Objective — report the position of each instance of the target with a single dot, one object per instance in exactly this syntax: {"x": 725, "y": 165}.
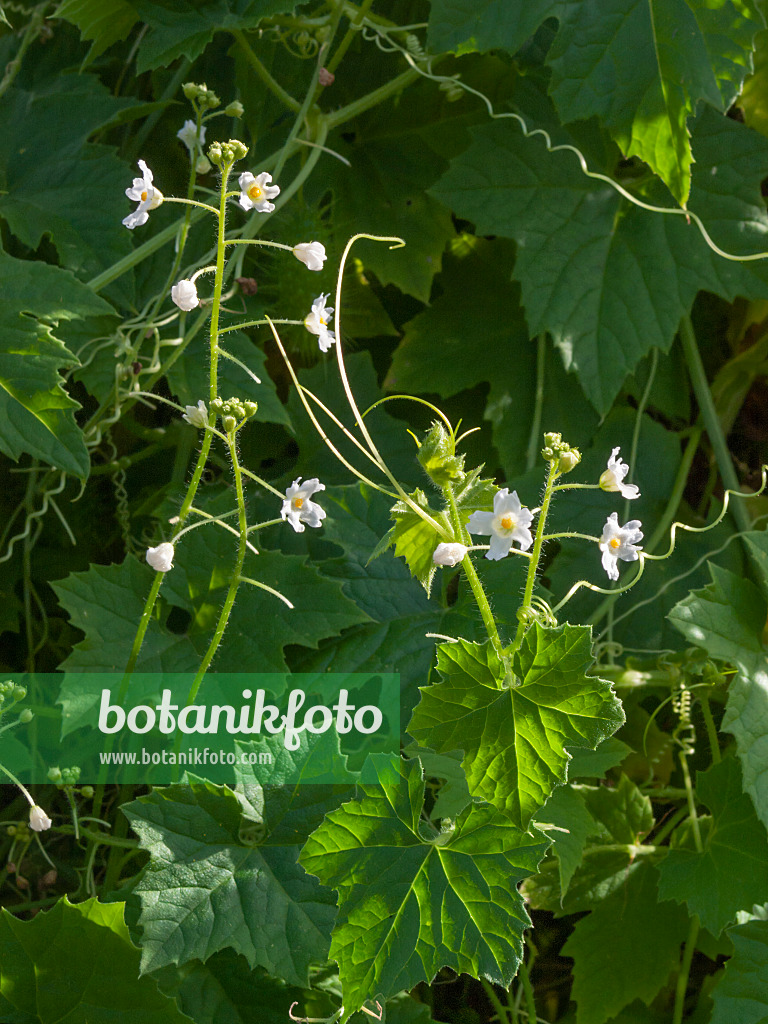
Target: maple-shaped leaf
{"x": 731, "y": 873}
{"x": 413, "y": 899}
{"x": 76, "y": 963}
{"x": 513, "y": 721}
{"x": 414, "y": 539}
{"x": 224, "y": 872}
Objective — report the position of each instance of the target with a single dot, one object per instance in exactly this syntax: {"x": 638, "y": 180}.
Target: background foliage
{"x": 550, "y": 165}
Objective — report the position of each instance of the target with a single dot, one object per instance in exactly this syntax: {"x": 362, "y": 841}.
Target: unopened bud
{"x": 235, "y": 109}
{"x": 251, "y": 408}
{"x": 26, "y": 716}
{"x": 229, "y": 423}
{"x": 87, "y": 792}
{"x": 214, "y": 153}
{"x": 239, "y": 149}
{"x": 569, "y": 460}
{"x": 54, "y": 775}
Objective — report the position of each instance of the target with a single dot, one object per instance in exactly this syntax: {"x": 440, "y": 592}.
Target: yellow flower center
{"x": 298, "y": 502}
{"x": 507, "y": 522}
{"x": 614, "y": 543}
{"x": 255, "y": 191}
{"x": 143, "y": 197}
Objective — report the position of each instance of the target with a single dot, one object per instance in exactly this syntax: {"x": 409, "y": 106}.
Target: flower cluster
{"x": 316, "y": 322}
{"x": 145, "y": 194}
{"x": 298, "y": 508}
{"x": 255, "y": 193}
{"x": 509, "y": 522}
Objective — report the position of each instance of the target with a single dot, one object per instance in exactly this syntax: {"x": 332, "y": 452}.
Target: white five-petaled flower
{"x": 619, "y": 542}
{"x": 145, "y": 194}
{"x": 312, "y": 254}
{"x": 196, "y": 415}
{"x": 298, "y": 509}
{"x": 188, "y": 135}
{"x": 184, "y": 294}
{"x": 509, "y": 522}
{"x": 612, "y": 478}
{"x": 316, "y": 322}
{"x": 255, "y": 193}
{"x": 38, "y": 819}
{"x": 448, "y": 554}
{"x": 161, "y": 557}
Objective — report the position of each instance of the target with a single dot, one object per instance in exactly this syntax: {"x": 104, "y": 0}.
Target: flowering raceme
{"x": 312, "y": 254}
{"x": 298, "y": 509}
{"x": 612, "y": 478}
{"x": 255, "y": 193}
{"x": 316, "y": 322}
{"x": 619, "y": 542}
{"x": 509, "y": 522}
{"x": 145, "y": 194}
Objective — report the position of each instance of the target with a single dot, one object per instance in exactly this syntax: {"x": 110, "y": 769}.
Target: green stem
{"x": 229, "y": 600}
{"x": 274, "y": 87}
{"x": 359, "y": 106}
{"x": 711, "y": 421}
{"x": 709, "y": 721}
{"x": 538, "y": 407}
{"x": 351, "y": 32}
{"x": 494, "y": 1000}
{"x": 533, "y": 565}
{"x": 474, "y": 580}
{"x": 525, "y": 978}
{"x": 685, "y": 970}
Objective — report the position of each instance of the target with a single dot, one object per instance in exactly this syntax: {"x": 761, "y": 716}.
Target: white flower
{"x": 145, "y": 194}
{"x": 203, "y": 165}
{"x": 38, "y": 819}
{"x": 316, "y": 322}
{"x": 184, "y": 294}
{"x": 196, "y": 416}
{"x": 310, "y": 253}
{"x": 161, "y": 557}
{"x": 448, "y": 554}
{"x": 611, "y": 479}
{"x": 619, "y": 542}
{"x": 297, "y": 507}
{"x": 255, "y": 193}
{"x": 188, "y": 135}
{"x": 508, "y": 522}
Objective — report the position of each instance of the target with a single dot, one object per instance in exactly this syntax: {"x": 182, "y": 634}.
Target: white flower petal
{"x": 161, "y": 557}
{"x": 448, "y": 554}
{"x": 38, "y": 819}
{"x": 184, "y": 294}
{"x": 312, "y": 254}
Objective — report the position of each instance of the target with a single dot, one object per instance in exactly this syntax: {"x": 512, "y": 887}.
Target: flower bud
{"x": 38, "y": 820}
{"x": 54, "y": 775}
{"x": 196, "y": 415}
{"x": 161, "y": 557}
{"x": 209, "y": 99}
{"x": 229, "y": 423}
{"x": 191, "y": 90}
{"x": 184, "y": 294}
{"x": 251, "y": 408}
{"x": 238, "y": 149}
{"x": 214, "y": 153}
{"x": 235, "y": 109}
{"x": 569, "y": 460}
{"x": 311, "y": 254}
{"x": 18, "y": 693}
{"x": 448, "y": 554}
{"x": 26, "y": 716}
{"x": 87, "y": 792}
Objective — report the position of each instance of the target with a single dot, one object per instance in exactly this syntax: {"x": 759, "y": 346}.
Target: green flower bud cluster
{"x": 233, "y": 410}
{"x": 437, "y": 455}
{"x": 64, "y": 776}
{"x": 11, "y": 692}
{"x": 201, "y": 96}
{"x": 224, "y": 154}
{"x": 559, "y": 451}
